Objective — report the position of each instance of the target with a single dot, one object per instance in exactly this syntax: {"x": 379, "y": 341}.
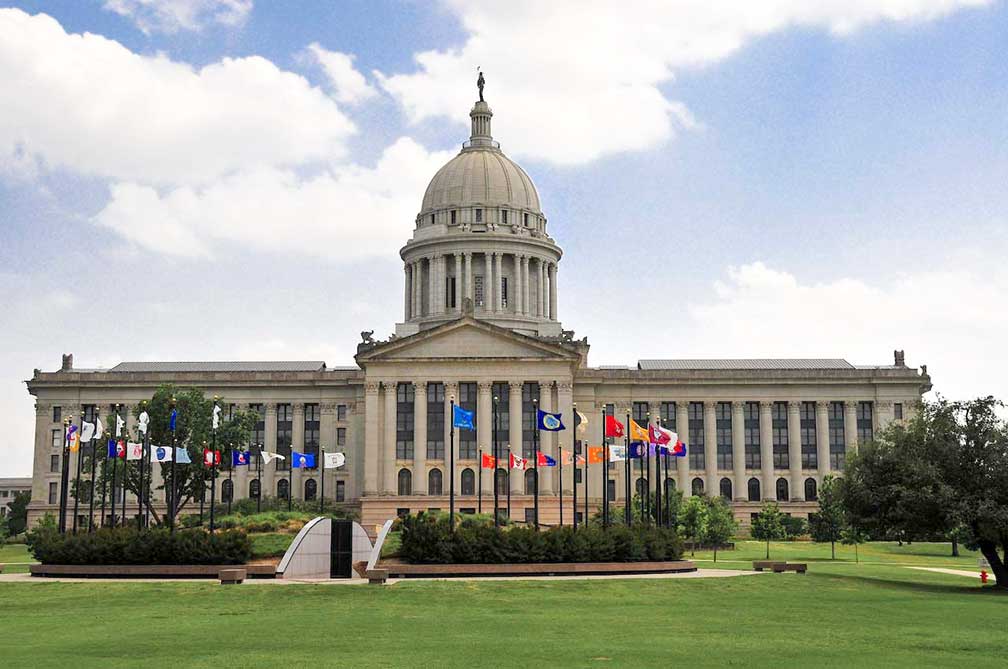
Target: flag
{"x": 550, "y": 421}
{"x": 160, "y": 454}
{"x": 638, "y": 433}
{"x": 182, "y": 456}
{"x": 268, "y": 457}
{"x": 211, "y": 458}
{"x": 87, "y": 432}
{"x": 73, "y": 438}
{"x": 617, "y": 453}
{"x": 638, "y": 449}
{"x": 546, "y": 461}
{"x": 659, "y": 435}
{"x": 142, "y": 421}
{"x": 569, "y": 458}
{"x": 134, "y": 451}
{"x": 239, "y": 458}
{"x": 303, "y": 460}
{"x": 99, "y": 429}
{"x": 463, "y": 419}
{"x": 680, "y": 450}
{"x": 596, "y": 455}
{"x": 580, "y": 422}
{"x": 488, "y": 461}
{"x": 516, "y": 462}
{"x": 216, "y": 416}
{"x": 334, "y": 460}
{"x": 116, "y": 448}
{"x": 171, "y": 420}
{"x": 120, "y": 424}
{"x": 613, "y": 428}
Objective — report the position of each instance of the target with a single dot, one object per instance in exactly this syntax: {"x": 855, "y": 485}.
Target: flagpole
{"x": 658, "y": 479}
{"x": 605, "y": 473}
{"x": 535, "y": 454}
{"x": 230, "y": 476}
{"x": 213, "y": 467}
{"x": 146, "y": 470}
{"x": 202, "y": 498}
{"x": 259, "y": 480}
{"x": 451, "y": 468}
{"x": 171, "y": 510}
{"x": 667, "y": 518}
{"x": 509, "y": 481}
{"x": 321, "y": 506}
{"x": 573, "y": 465}
{"x": 479, "y": 487}
{"x": 560, "y": 455}
{"x": 290, "y": 478}
{"x": 80, "y": 451}
{"x": 646, "y": 488}
{"x": 64, "y": 476}
{"x": 626, "y": 471}
{"x": 104, "y": 489}
{"x": 94, "y": 456}
{"x": 496, "y": 479}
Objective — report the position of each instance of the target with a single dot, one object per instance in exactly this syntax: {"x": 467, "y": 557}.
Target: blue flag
{"x": 112, "y": 452}
{"x": 171, "y": 420}
{"x": 550, "y": 421}
{"x": 463, "y": 419}
{"x": 239, "y": 458}
{"x": 302, "y": 460}
{"x": 637, "y": 450}
{"x": 182, "y": 456}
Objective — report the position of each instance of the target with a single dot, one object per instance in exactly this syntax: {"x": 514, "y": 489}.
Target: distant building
{"x": 480, "y": 321}
{"x": 8, "y": 488}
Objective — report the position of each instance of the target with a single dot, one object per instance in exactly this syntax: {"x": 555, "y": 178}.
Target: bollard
{"x": 983, "y": 577}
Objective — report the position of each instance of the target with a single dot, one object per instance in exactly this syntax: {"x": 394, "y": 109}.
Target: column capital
{"x": 451, "y": 387}
{"x": 271, "y": 408}
{"x": 850, "y": 404}
{"x": 484, "y": 386}
{"x": 298, "y": 407}
{"x": 420, "y": 387}
{"x": 371, "y": 387}
{"x": 766, "y": 404}
{"x": 794, "y": 405}
{"x": 738, "y": 405}
{"x": 467, "y": 254}
{"x": 823, "y": 404}
{"x": 328, "y": 408}
{"x": 515, "y": 385}
{"x": 564, "y": 386}
{"x": 545, "y": 383}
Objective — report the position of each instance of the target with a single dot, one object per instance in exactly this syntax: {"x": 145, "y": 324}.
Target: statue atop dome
{"x": 479, "y": 84}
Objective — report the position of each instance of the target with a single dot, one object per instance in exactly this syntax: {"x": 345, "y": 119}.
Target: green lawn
{"x": 11, "y": 555}
{"x": 840, "y": 613}
{"x": 916, "y": 554}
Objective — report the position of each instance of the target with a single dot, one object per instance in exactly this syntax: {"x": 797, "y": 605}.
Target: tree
{"x": 693, "y": 520}
{"x": 768, "y": 524}
{"x": 947, "y": 467}
{"x": 721, "y": 525}
{"x": 852, "y": 536}
{"x": 17, "y": 514}
{"x": 829, "y": 522}
{"x": 794, "y": 527}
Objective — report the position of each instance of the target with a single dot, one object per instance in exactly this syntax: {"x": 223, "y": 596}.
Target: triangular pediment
{"x": 467, "y": 339}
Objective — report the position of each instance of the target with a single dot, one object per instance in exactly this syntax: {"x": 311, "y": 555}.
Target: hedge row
{"x": 428, "y": 538}
{"x": 127, "y": 545}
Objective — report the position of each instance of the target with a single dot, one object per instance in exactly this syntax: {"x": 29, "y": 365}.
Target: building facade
{"x": 10, "y": 487}
{"x": 480, "y": 327}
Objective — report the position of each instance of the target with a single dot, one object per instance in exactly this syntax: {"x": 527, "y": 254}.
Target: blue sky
{"x": 210, "y": 179}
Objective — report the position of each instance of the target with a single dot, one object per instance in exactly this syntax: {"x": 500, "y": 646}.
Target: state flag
{"x": 268, "y": 457}
{"x": 660, "y": 435}
{"x": 580, "y": 422}
{"x": 488, "y": 461}
{"x": 637, "y": 433}
{"x": 120, "y": 424}
{"x": 216, "y": 416}
{"x": 596, "y": 455}
{"x": 211, "y": 458}
{"x": 142, "y": 420}
{"x": 303, "y": 460}
{"x": 613, "y": 428}
{"x": 239, "y": 458}
{"x": 551, "y": 422}
{"x": 334, "y": 460}
{"x": 172, "y": 419}
{"x": 160, "y": 454}
{"x": 638, "y": 450}
{"x": 617, "y": 453}
{"x": 87, "y": 432}
{"x": 546, "y": 461}
{"x": 99, "y": 429}
{"x": 517, "y": 462}
{"x": 463, "y": 419}
{"x": 134, "y": 451}
{"x": 116, "y": 448}
{"x": 182, "y": 456}
{"x": 680, "y": 450}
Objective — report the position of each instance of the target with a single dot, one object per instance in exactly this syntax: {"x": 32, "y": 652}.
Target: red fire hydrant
{"x": 983, "y": 577}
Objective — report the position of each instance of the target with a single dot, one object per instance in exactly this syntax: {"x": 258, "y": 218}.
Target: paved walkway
{"x": 954, "y": 572}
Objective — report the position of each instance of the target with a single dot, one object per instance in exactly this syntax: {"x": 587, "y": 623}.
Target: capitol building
{"x": 480, "y": 324}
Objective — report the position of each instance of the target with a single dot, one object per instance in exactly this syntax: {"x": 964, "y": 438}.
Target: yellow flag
{"x": 74, "y": 443}
{"x": 638, "y": 433}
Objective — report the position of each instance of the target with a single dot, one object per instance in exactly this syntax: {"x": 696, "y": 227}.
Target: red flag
{"x": 613, "y": 428}
{"x": 211, "y": 458}
{"x": 488, "y": 462}
{"x": 660, "y": 435}
{"x": 516, "y": 462}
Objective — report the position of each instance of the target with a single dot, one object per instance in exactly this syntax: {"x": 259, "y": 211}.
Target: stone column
{"x": 498, "y": 281}
{"x": 487, "y": 281}
{"x": 516, "y": 290}
{"x": 420, "y": 437}
{"x": 882, "y": 414}
{"x": 372, "y": 455}
{"x": 565, "y": 405}
{"x": 515, "y": 434}
{"x": 822, "y": 438}
{"x": 327, "y": 442}
{"x": 297, "y": 442}
{"x": 484, "y": 429}
{"x": 850, "y": 426}
{"x": 414, "y": 289}
{"x": 539, "y": 289}
{"x": 797, "y": 492}
{"x": 270, "y": 425}
{"x": 451, "y": 390}
{"x": 546, "y": 441}
{"x": 467, "y": 283}
{"x": 741, "y": 489}
{"x": 710, "y": 448}
{"x": 388, "y": 448}
{"x": 406, "y": 292}
{"x": 769, "y": 490}
{"x": 553, "y": 291}
{"x": 458, "y": 283}
{"x": 682, "y": 464}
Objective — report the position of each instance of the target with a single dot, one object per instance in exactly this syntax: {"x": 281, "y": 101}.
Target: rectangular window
{"x": 779, "y": 423}
{"x": 577, "y": 475}
{"x": 285, "y": 435}
{"x": 311, "y": 430}
{"x": 57, "y": 438}
{"x": 611, "y": 489}
{"x": 478, "y": 289}
{"x": 479, "y": 215}
{"x": 90, "y": 411}
{"x": 57, "y": 414}
{"x": 435, "y": 421}
{"x": 837, "y": 441}
{"x": 526, "y": 220}
{"x": 529, "y": 515}
{"x": 450, "y": 292}
{"x": 504, "y": 216}
{"x": 723, "y": 425}
{"x": 751, "y": 414}
{"x": 258, "y": 435}
{"x": 697, "y": 459}
{"x": 530, "y": 392}
{"x": 639, "y": 412}
{"x": 865, "y": 422}
{"x": 341, "y": 412}
{"x": 340, "y": 491}
{"x": 467, "y": 438}
{"x": 341, "y": 436}
{"x": 809, "y": 452}
{"x": 402, "y": 512}
{"x": 404, "y": 421}
{"x": 502, "y": 392}
{"x": 53, "y": 492}
{"x": 898, "y": 411}
{"x": 668, "y": 416}
{"x": 54, "y": 463}
{"x": 504, "y": 291}
{"x": 453, "y": 217}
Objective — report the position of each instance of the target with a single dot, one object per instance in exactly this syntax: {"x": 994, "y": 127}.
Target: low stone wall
{"x": 402, "y": 570}
{"x": 259, "y": 570}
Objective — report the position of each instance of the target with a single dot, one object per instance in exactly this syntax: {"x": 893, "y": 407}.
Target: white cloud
{"x": 171, "y": 16}
{"x": 602, "y": 63}
{"x": 349, "y": 86}
{"x": 88, "y": 104}
{"x": 343, "y": 213}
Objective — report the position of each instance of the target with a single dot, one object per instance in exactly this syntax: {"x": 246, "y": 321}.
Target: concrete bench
{"x": 377, "y": 576}
{"x": 797, "y": 567}
{"x": 231, "y": 576}
{"x": 760, "y": 565}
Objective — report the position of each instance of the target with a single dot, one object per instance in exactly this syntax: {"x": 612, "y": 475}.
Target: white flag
{"x": 216, "y": 416}
{"x": 99, "y": 429}
{"x": 617, "y": 453}
{"x": 87, "y": 432}
{"x": 120, "y": 424}
{"x": 334, "y": 460}
{"x": 160, "y": 453}
{"x": 270, "y": 457}
{"x": 134, "y": 451}
{"x": 142, "y": 421}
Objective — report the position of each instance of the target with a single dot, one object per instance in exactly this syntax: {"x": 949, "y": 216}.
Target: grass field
{"x": 875, "y": 613}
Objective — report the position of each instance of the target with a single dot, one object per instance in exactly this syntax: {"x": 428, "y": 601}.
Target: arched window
{"x": 697, "y": 486}
{"x": 754, "y": 491}
{"x": 725, "y": 488}
{"x": 283, "y": 489}
{"x": 641, "y": 486}
{"x": 434, "y": 480}
{"x": 670, "y": 487}
{"x": 782, "y": 490}
{"x": 405, "y": 482}
{"x": 227, "y": 491}
{"x": 254, "y": 489}
{"x": 502, "y": 481}
{"x": 811, "y": 492}
{"x": 530, "y": 481}
{"x": 468, "y": 482}
{"x": 310, "y": 490}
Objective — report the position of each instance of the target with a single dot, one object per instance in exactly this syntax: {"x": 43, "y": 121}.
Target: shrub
{"x": 127, "y": 545}
{"x": 427, "y": 538}
{"x": 247, "y": 507}
{"x": 794, "y": 527}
